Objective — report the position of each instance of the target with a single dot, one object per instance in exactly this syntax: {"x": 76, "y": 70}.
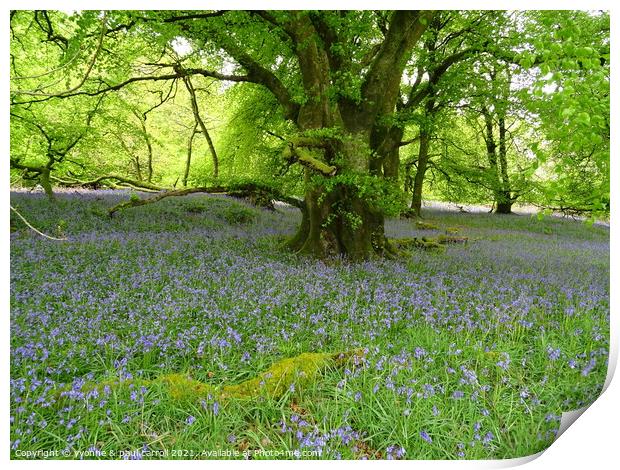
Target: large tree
{"x": 336, "y": 76}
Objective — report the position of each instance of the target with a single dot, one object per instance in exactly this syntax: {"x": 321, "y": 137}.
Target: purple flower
{"x": 588, "y": 368}
{"x": 419, "y": 353}
{"x": 504, "y": 362}
{"x": 190, "y": 420}
{"x": 554, "y": 354}
{"x": 424, "y": 435}
{"x": 395, "y": 452}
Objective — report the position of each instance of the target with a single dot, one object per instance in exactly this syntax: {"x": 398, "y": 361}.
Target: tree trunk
{"x": 134, "y": 159}
{"x": 502, "y": 197}
{"x": 340, "y": 221}
{"x": 200, "y": 122}
{"x": 504, "y": 206}
{"x": 504, "y": 200}
{"x": 188, "y": 161}
{"x": 149, "y": 148}
{"x": 341, "y": 217}
{"x": 44, "y": 180}
{"x": 340, "y": 224}
{"x": 214, "y": 157}
{"x": 418, "y": 182}
{"x": 136, "y": 164}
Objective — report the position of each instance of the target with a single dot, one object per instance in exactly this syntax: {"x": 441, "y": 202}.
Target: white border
{"x": 592, "y": 442}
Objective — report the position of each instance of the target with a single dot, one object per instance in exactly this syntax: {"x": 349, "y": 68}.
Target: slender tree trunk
{"x": 188, "y": 161}
{"x": 418, "y": 182}
{"x": 149, "y": 148}
{"x": 505, "y": 201}
{"x": 200, "y": 122}
{"x": 214, "y": 156}
{"x": 134, "y": 159}
{"x": 136, "y": 162}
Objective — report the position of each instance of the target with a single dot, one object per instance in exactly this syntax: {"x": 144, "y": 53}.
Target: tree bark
{"x": 134, "y": 158}
{"x": 44, "y": 180}
{"x": 149, "y": 148}
{"x": 340, "y": 220}
{"x": 497, "y": 163}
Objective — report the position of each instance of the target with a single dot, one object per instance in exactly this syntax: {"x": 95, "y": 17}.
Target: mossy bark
{"x": 338, "y": 222}
{"x": 44, "y": 180}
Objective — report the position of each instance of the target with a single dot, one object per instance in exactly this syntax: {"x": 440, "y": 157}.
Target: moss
{"x": 445, "y": 239}
{"x": 424, "y": 243}
{"x": 420, "y": 225}
{"x": 301, "y": 370}
{"x": 182, "y": 387}
{"x": 275, "y": 381}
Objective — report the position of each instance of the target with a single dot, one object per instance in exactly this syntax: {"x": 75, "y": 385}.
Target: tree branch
{"x": 34, "y": 229}
{"x": 302, "y": 156}
{"x": 382, "y": 83}
{"x": 232, "y": 188}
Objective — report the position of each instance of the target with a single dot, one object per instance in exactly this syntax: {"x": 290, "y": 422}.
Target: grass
{"x": 471, "y": 353}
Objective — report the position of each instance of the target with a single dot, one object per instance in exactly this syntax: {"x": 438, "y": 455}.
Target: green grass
{"x": 199, "y": 286}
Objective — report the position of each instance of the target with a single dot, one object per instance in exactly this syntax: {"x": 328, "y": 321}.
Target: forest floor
{"x": 469, "y": 352}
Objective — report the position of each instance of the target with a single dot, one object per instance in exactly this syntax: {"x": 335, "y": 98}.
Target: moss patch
{"x": 301, "y": 370}
{"x": 420, "y": 225}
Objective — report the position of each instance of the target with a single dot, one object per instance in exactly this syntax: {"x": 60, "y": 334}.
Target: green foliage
{"x": 379, "y": 193}
{"x": 237, "y": 214}
{"x": 551, "y": 81}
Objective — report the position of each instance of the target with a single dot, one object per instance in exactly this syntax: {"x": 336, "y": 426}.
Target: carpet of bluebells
{"x": 469, "y": 353}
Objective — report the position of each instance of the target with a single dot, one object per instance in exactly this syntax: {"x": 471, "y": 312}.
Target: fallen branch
{"x": 231, "y": 189}
{"x": 34, "y": 229}
{"x": 140, "y": 185}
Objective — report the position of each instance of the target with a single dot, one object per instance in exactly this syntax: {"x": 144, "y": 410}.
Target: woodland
{"x": 348, "y": 115}
{"x": 306, "y": 234}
